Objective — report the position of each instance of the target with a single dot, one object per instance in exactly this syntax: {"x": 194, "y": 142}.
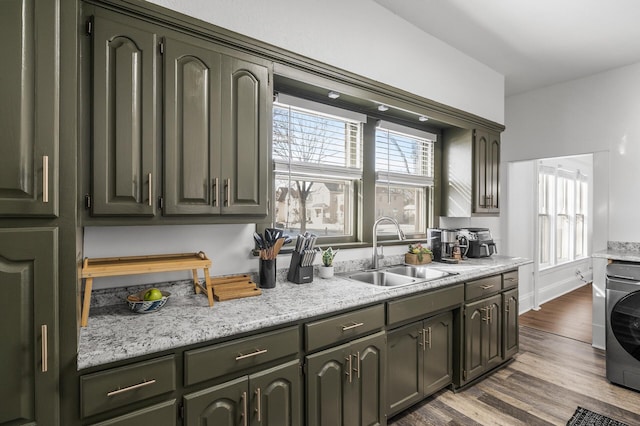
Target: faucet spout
{"x": 375, "y": 257}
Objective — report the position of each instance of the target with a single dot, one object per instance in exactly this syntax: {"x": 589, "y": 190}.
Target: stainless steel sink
{"x": 422, "y": 272}
{"x": 381, "y": 278}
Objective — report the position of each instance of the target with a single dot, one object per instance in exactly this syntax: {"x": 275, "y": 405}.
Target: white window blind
{"x": 404, "y": 157}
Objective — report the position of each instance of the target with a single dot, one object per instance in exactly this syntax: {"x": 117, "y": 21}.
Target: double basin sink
{"x": 399, "y": 275}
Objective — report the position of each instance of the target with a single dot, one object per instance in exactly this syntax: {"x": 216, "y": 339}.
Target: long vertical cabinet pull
{"x": 244, "y": 409}
{"x": 357, "y": 369}
{"x": 259, "y": 404}
{"x": 44, "y": 347}
{"x": 348, "y": 370}
{"x": 45, "y": 178}
{"x": 215, "y": 192}
{"x": 429, "y": 342}
{"x": 227, "y": 192}
{"x": 150, "y": 190}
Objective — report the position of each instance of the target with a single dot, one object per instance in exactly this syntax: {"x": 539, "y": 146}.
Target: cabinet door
{"x": 223, "y": 405}
{"x": 126, "y": 107}
{"x": 481, "y": 195}
{"x": 163, "y": 414}
{"x": 475, "y": 317}
{"x": 328, "y": 376}
{"x": 493, "y": 172}
{"x": 276, "y": 396}
{"x": 192, "y": 127}
{"x": 29, "y": 111}
{"x": 247, "y": 122}
{"x": 366, "y": 394}
{"x": 511, "y": 331}
{"x": 493, "y": 334}
{"x": 438, "y": 347}
{"x": 404, "y": 367}
{"x": 29, "y": 367}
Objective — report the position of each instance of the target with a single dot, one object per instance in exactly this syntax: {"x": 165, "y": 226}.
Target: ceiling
{"x": 533, "y": 43}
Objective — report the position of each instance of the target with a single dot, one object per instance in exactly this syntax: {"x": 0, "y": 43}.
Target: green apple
{"x": 153, "y": 294}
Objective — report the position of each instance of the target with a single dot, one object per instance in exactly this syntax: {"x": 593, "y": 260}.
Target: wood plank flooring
{"x": 549, "y": 378}
{"x": 569, "y": 315}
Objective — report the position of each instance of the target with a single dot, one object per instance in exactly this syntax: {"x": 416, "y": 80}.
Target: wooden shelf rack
{"x": 131, "y": 265}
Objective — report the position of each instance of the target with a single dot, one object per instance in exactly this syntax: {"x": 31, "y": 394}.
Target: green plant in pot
{"x": 326, "y": 270}
{"x": 418, "y": 254}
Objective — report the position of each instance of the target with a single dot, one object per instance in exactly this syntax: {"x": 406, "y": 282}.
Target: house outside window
{"x": 562, "y": 207}
{"x": 317, "y": 166}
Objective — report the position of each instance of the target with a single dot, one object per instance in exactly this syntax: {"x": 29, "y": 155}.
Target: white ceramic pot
{"x": 325, "y": 271}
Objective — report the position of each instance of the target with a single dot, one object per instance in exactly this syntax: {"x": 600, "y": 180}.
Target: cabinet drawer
{"x": 510, "y": 280}
{"x": 157, "y": 415}
{"x": 482, "y": 287}
{"x": 217, "y": 360}
{"x": 341, "y": 327}
{"x": 110, "y": 389}
{"x": 422, "y": 305}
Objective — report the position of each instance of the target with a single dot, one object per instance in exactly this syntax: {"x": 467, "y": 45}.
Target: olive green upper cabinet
{"x": 29, "y": 350}
{"x": 217, "y": 121}
{"x": 486, "y": 165}
{"x": 126, "y": 107}
{"x": 245, "y": 139}
{"x": 192, "y": 127}
{"x": 29, "y": 110}
{"x": 471, "y": 179}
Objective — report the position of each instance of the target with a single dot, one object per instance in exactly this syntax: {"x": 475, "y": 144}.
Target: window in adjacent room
{"x": 317, "y": 155}
{"x": 562, "y": 207}
{"x": 404, "y": 178}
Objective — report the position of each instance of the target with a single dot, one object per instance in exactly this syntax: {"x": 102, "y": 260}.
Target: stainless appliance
{"x": 450, "y": 245}
{"x": 623, "y": 324}
{"x": 479, "y": 242}
{"x": 434, "y": 242}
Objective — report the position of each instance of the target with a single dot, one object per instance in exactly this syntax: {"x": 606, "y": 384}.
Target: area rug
{"x": 584, "y": 417}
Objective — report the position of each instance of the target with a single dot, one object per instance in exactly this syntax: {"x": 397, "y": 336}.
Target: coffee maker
{"x": 450, "y": 246}
{"x": 434, "y": 242}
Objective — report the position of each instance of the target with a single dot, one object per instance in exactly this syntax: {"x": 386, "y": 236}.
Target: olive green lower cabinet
{"x": 163, "y": 414}
{"x": 346, "y": 384}
{"x": 483, "y": 336}
{"x": 269, "y": 398}
{"x": 420, "y": 361}
{"x": 511, "y": 332}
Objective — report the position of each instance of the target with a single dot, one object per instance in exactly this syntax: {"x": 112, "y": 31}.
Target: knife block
{"x": 299, "y": 274}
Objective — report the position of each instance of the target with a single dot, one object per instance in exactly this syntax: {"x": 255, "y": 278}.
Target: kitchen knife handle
{"x": 150, "y": 189}
{"x": 45, "y": 178}
{"x": 258, "y": 404}
{"x": 44, "y": 348}
{"x": 215, "y": 192}
{"x": 249, "y": 355}
{"x": 132, "y": 387}
{"x": 352, "y": 326}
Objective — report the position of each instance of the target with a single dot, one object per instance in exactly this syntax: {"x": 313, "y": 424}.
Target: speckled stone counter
{"x": 631, "y": 254}
{"x": 114, "y": 333}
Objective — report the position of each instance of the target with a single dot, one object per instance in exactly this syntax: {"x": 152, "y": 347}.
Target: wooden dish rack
{"x": 115, "y": 266}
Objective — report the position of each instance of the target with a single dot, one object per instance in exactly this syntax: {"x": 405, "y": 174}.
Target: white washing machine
{"x": 623, "y": 324}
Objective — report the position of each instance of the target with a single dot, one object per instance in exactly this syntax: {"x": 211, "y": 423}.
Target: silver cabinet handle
{"x": 486, "y": 287}
{"x": 244, "y": 408}
{"x": 348, "y": 370}
{"x": 357, "y": 369}
{"x": 44, "y": 348}
{"x": 259, "y": 404}
{"x": 227, "y": 187}
{"x": 215, "y": 192}
{"x": 45, "y": 178}
{"x": 352, "y": 326}
{"x": 424, "y": 339}
{"x": 132, "y": 387}
{"x": 429, "y": 342}
{"x": 486, "y": 314}
{"x": 150, "y": 190}
{"x": 249, "y": 355}
{"x": 490, "y": 313}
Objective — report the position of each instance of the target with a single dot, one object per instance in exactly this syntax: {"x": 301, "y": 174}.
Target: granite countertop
{"x": 114, "y": 333}
{"x": 629, "y": 253}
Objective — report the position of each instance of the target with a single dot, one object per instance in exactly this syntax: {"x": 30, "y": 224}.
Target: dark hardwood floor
{"x": 569, "y": 315}
{"x": 549, "y": 378}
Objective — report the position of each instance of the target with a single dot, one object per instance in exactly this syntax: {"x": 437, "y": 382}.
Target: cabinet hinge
{"x": 181, "y": 411}
{"x": 87, "y": 201}
{"x": 89, "y": 26}
{"x": 160, "y": 203}
{"x": 161, "y": 46}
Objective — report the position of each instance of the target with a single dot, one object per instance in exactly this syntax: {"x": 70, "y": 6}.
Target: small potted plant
{"x": 418, "y": 255}
{"x": 326, "y": 270}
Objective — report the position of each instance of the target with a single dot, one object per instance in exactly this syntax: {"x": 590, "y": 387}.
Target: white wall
{"x": 362, "y": 37}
